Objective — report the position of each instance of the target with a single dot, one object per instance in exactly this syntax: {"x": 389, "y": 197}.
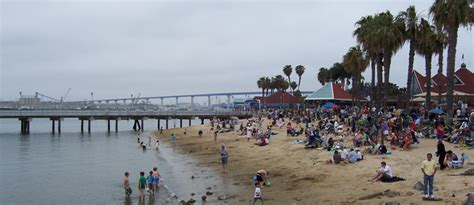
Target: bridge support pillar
{"x": 53, "y": 129}
{"x": 59, "y": 126}
{"x": 116, "y": 125}
{"x": 25, "y": 126}
{"x": 108, "y": 126}
{"x": 209, "y": 101}
{"x": 82, "y": 126}
{"x": 89, "y": 126}
{"x": 202, "y": 121}
{"x": 180, "y": 123}
{"x": 161, "y": 102}
{"x": 189, "y": 122}
{"x": 166, "y": 123}
{"x": 228, "y": 99}
{"x": 176, "y": 101}
{"x": 192, "y": 102}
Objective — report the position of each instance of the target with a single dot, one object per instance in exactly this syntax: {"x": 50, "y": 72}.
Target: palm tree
{"x": 287, "y": 70}
{"x": 260, "y": 84}
{"x": 442, "y": 41}
{"x": 450, "y": 14}
{"x": 293, "y": 86}
{"x": 426, "y": 46}
{"x": 390, "y": 37}
{"x": 267, "y": 82}
{"x": 323, "y": 75}
{"x": 411, "y": 21}
{"x": 366, "y": 35}
{"x": 299, "y": 71}
{"x": 355, "y": 62}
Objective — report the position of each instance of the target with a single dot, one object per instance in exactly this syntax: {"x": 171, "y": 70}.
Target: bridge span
{"x": 176, "y": 97}
{"x": 25, "y": 117}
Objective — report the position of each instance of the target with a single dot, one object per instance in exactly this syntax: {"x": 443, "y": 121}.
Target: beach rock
{"x": 418, "y": 186}
{"x": 209, "y": 193}
{"x": 392, "y": 203}
{"x": 469, "y": 172}
{"x": 297, "y": 198}
{"x": 182, "y": 202}
{"x": 371, "y": 196}
{"x": 209, "y": 188}
{"x": 191, "y": 201}
{"x": 409, "y": 193}
{"x": 192, "y": 177}
{"x": 413, "y": 203}
{"x": 192, "y": 194}
{"x": 204, "y": 197}
{"x": 236, "y": 184}
{"x": 220, "y": 198}
{"x": 391, "y": 193}
{"x": 470, "y": 199}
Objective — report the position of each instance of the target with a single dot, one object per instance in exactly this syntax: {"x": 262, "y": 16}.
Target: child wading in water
{"x": 141, "y": 183}
{"x": 126, "y": 185}
{"x": 150, "y": 181}
{"x": 258, "y": 193}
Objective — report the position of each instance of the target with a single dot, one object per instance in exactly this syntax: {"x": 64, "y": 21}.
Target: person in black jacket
{"x": 441, "y": 153}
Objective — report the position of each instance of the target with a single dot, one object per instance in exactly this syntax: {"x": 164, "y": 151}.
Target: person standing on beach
{"x": 441, "y": 153}
{"x": 126, "y": 185}
{"x": 258, "y": 193}
{"x": 156, "y": 176}
{"x": 150, "y": 179}
{"x": 224, "y": 158}
{"x": 141, "y": 183}
{"x": 173, "y": 139}
{"x": 215, "y": 136}
{"x": 428, "y": 167}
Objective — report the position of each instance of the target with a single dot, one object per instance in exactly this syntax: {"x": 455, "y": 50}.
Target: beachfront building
{"x": 463, "y": 88}
{"x": 245, "y": 104}
{"x": 280, "y": 99}
{"x": 331, "y": 92}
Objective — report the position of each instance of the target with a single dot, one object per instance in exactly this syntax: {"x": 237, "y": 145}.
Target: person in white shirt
{"x": 384, "y": 173}
{"x": 258, "y": 193}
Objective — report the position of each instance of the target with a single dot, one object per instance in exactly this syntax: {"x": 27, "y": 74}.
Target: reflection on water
{"x": 74, "y": 168}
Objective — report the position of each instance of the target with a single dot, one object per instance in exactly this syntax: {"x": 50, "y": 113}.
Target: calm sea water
{"x": 74, "y": 168}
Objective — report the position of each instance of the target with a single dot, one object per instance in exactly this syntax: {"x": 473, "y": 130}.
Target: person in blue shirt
{"x": 224, "y": 158}
{"x": 150, "y": 179}
{"x": 353, "y": 156}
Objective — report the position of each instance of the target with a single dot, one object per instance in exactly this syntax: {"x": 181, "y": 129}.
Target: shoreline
{"x": 301, "y": 176}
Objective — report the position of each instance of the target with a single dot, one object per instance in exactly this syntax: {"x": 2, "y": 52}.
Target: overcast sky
{"x": 157, "y": 48}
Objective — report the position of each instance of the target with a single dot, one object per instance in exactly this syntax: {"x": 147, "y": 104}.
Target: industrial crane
{"x": 45, "y": 96}
{"x": 65, "y": 95}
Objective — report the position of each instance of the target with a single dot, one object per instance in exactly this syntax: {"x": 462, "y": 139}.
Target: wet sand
{"x": 301, "y": 176}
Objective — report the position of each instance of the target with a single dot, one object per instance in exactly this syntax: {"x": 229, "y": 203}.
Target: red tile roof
{"x": 339, "y": 93}
{"x": 280, "y": 97}
{"x": 463, "y": 74}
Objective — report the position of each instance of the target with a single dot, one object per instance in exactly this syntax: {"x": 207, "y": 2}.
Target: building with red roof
{"x": 280, "y": 99}
{"x": 330, "y": 92}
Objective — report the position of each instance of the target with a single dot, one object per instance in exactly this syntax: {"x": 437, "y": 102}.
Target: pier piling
{"x": 189, "y": 122}
{"x": 108, "y": 126}
{"x": 116, "y": 125}
{"x": 89, "y": 126}
{"x": 82, "y": 126}
{"x": 53, "y": 129}
{"x": 181, "y": 123}
{"x": 59, "y": 126}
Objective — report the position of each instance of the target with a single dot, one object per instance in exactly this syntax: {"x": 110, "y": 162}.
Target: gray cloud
{"x": 163, "y": 47}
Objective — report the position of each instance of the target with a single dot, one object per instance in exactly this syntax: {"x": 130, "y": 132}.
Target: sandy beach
{"x": 301, "y": 176}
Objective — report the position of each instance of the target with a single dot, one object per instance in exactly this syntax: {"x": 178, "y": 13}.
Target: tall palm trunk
{"x": 372, "y": 65}
{"x": 299, "y": 82}
{"x": 379, "y": 79}
{"x": 452, "y": 41}
{"x": 440, "y": 72}
{"x": 263, "y": 92}
{"x": 386, "y": 64}
{"x": 428, "y": 81}
{"x": 411, "y": 59}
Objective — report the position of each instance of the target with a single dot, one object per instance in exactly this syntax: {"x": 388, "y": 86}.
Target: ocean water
{"x": 75, "y": 168}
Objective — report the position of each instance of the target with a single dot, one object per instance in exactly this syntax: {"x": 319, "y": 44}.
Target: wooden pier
{"x": 139, "y": 117}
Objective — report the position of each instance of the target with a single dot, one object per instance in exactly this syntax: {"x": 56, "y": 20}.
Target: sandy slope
{"x": 301, "y": 176}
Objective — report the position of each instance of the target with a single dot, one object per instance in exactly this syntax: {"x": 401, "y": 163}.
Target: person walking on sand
{"x": 224, "y": 158}
{"x": 215, "y": 136}
{"x": 126, "y": 185}
{"x": 441, "y": 153}
{"x": 428, "y": 167}
{"x": 141, "y": 183}
{"x": 258, "y": 193}
{"x": 173, "y": 139}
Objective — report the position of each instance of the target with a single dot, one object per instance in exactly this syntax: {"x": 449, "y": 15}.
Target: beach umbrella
{"x": 436, "y": 111}
{"x": 327, "y": 105}
{"x": 334, "y": 106}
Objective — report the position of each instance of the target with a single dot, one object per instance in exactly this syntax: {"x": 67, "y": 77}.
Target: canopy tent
{"x": 328, "y": 105}
{"x": 330, "y": 91}
{"x": 423, "y": 94}
{"x": 418, "y": 99}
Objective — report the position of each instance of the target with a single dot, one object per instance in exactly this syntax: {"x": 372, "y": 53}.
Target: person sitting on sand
{"x": 382, "y": 149}
{"x": 261, "y": 176}
{"x": 384, "y": 173}
{"x": 360, "y": 156}
{"x": 200, "y": 133}
{"x": 352, "y": 157}
{"x": 452, "y": 160}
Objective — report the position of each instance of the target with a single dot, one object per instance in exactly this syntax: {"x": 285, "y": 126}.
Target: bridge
{"x": 25, "y": 116}
{"x": 176, "y": 97}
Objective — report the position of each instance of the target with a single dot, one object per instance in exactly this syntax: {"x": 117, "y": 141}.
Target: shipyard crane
{"x": 63, "y": 98}
{"x": 45, "y": 96}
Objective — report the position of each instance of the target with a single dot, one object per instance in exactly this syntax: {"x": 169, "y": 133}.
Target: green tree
{"x": 390, "y": 37}
{"x": 365, "y": 34}
{"x": 411, "y": 20}
{"x": 293, "y": 86}
{"x": 323, "y": 75}
{"x": 299, "y": 71}
{"x": 355, "y": 62}
{"x": 261, "y": 85}
{"x": 450, "y": 15}
{"x": 287, "y": 70}
{"x": 426, "y": 46}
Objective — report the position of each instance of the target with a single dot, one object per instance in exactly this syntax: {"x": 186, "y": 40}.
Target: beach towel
{"x": 393, "y": 179}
